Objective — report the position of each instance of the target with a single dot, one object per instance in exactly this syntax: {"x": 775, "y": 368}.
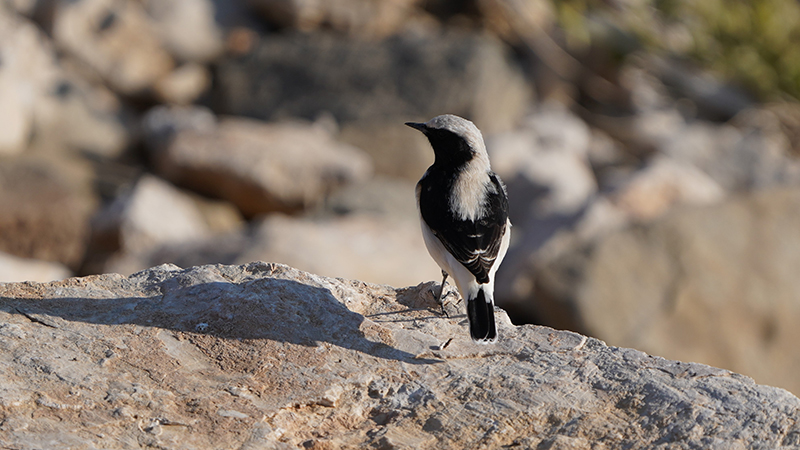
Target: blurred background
{"x": 650, "y": 148}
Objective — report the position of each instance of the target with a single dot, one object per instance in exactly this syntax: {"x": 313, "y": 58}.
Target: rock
{"x": 57, "y": 232}
{"x": 45, "y": 104}
{"x": 662, "y": 185}
{"x": 259, "y": 167}
{"x": 27, "y": 67}
{"x": 87, "y": 119}
{"x": 413, "y": 76}
{"x": 186, "y": 28}
{"x": 116, "y": 39}
{"x": 383, "y": 196}
{"x": 14, "y": 268}
{"x": 347, "y": 246}
{"x": 183, "y": 85}
{"x": 366, "y": 19}
{"x": 713, "y": 98}
{"x": 266, "y": 356}
{"x": 715, "y": 284}
{"x": 395, "y": 151}
{"x": 153, "y": 213}
{"x": 380, "y": 249}
{"x": 545, "y": 163}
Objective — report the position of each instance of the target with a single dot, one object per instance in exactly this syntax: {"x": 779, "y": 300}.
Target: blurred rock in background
{"x": 651, "y": 151}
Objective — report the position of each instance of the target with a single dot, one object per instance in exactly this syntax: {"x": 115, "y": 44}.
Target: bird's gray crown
{"x": 460, "y": 127}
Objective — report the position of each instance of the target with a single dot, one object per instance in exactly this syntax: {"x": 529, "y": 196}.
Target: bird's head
{"x": 456, "y": 141}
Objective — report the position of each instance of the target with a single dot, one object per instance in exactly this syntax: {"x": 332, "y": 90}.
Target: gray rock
{"x": 715, "y": 284}
{"x": 260, "y": 167}
{"x": 377, "y": 249}
{"x": 395, "y": 151}
{"x": 413, "y": 76}
{"x": 266, "y": 356}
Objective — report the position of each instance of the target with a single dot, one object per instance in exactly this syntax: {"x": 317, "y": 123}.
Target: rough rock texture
{"x": 265, "y": 356}
{"x": 716, "y": 284}
{"x": 259, "y": 167}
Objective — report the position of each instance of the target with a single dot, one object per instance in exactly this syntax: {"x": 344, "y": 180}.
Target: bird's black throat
{"x": 450, "y": 149}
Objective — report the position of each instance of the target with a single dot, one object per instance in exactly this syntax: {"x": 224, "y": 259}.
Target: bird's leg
{"x": 439, "y": 296}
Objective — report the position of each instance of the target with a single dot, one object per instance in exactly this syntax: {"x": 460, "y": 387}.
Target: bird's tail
{"x": 480, "y": 312}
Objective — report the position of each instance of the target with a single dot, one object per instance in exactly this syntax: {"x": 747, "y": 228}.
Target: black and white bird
{"x": 464, "y": 213}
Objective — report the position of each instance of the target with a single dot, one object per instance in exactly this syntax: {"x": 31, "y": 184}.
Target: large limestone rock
{"x": 266, "y": 356}
{"x": 716, "y": 284}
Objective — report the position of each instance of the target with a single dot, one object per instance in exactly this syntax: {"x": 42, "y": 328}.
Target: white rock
{"x": 13, "y": 268}
{"x": 27, "y": 69}
{"x": 377, "y": 249}
{"x": 184, "y": 85}
{"x": 153, "y": 213}
{"x": 187, "y": 28}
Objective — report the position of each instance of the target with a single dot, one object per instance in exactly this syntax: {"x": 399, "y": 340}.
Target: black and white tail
{"x": 480, "y": 312}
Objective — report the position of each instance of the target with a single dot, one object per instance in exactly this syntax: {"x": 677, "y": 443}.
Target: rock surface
{"x": 266, "y": 356}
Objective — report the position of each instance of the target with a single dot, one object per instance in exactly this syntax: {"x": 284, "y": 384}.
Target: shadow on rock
{"x": 250, "y": 312}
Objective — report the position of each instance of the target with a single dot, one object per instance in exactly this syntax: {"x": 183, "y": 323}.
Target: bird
{"x": 463, "y": 209}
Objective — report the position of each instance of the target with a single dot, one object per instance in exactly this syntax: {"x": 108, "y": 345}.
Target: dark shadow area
{"x": 264, "y": 309}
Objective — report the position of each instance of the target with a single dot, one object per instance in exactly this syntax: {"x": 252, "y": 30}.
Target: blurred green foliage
{"x": 753, "y": 42}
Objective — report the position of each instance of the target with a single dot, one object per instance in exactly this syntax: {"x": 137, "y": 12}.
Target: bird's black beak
{"x": 419, "y": 126}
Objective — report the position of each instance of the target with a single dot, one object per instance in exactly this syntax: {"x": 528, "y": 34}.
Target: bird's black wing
{"x": 474, "y": 244}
